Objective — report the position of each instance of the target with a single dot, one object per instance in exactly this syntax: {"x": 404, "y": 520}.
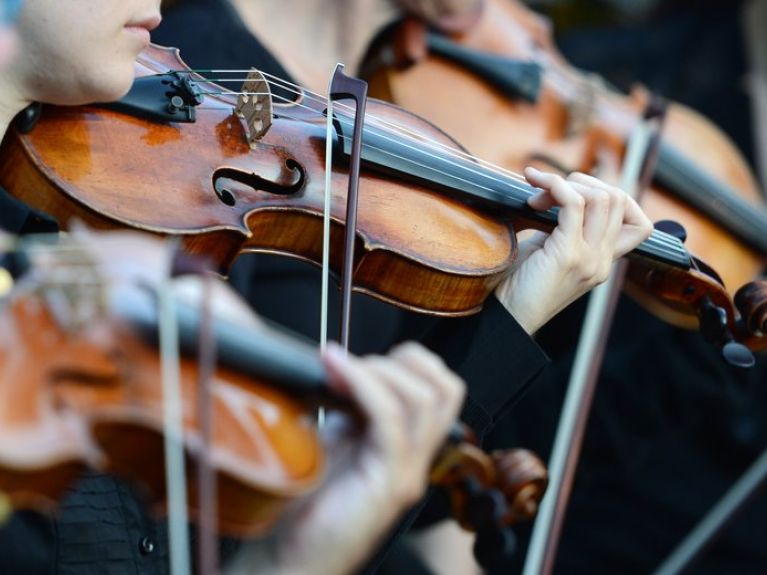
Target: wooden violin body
{"x": 91, "y": 398}
{"x": 573, "y": 118}
{"x": 417, "y": 249}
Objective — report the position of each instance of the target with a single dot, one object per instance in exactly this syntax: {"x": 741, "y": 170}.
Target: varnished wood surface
{"x": 418, "y": 249}
{"x": 514, "y": 133}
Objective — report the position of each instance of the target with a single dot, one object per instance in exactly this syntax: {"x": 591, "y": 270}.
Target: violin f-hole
{"x": 256, "y": 182}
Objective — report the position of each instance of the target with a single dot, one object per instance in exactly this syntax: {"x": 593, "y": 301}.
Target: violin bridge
{"x": 254, "y": 105}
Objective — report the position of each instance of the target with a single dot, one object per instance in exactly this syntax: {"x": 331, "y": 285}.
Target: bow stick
{"x": 637, "y": 170}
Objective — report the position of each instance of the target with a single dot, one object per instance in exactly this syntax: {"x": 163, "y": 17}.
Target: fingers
{"x": 410, "y": 399}
{"x": 448, "y": 387}
{"x": 604, "y": 213}
{"x": 605, "y": 210}
{"x": 637, "y": 227}
{"x": 610, "y": 216}
{"x": 596, "y": 223}
{"x": 633, "y": 214}
{"x": 555, "y": 191}
{"x": 348, "y": 375}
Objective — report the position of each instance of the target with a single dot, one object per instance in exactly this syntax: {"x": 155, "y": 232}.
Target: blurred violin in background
{"x": 510, "y": 97}
{"x": 81, "y": 376}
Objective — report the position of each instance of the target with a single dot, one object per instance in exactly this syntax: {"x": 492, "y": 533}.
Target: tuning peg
{"x": 738, "y": 355}
{"x": 523, "y": 479}
{"x": 484, "y": 506}
{"x": 713, "y": 326}
{"x": 494, "y": 547}
{"x": 713, "y": 321}
{"x": 672, "y": 228}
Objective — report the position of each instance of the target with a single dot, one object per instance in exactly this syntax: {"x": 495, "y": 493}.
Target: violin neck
{"x": 468, "y": 181}
{"x": 264, "y": 353}
{"x": 717, "y": 200}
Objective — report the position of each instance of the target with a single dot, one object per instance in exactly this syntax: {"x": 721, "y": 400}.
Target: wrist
{"x": 524, "y": 315}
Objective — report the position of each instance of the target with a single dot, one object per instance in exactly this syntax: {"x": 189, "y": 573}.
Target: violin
{"x": 436, "y": 226}
{"x": 514, "y": 100}
{"x": 80, "y": 377}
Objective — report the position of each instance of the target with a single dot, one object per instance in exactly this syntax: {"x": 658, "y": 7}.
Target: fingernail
{"x": 532, "y": 169}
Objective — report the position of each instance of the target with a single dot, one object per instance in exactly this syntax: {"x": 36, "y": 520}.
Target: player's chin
{"x": 114, "y": 83}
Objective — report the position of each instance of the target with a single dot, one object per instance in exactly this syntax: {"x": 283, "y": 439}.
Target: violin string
{"x": 411, "y": 134}
{"x": 672, "y": 244}
{"x": 563, "y": 78}
{"x": 660, "y": 242}
{"x": 571, "y": 84}
{"x": 417, "y": 140}
{"x": 300, "y": 91}
{"x": 669, "y": 245}
{"x": 412, "y": 147}
{"x": 296, "y": 89}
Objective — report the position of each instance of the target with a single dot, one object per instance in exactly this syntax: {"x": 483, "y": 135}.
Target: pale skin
{"x": 333, "y": 531}
{"x": 7, "y": 43}
{"x": 597, "y": 224}
{"x": 409, "y": 397}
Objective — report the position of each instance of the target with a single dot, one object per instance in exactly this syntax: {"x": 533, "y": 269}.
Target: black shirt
{"x": 672, "y": 427}
{"x": 100, "y": 525}
{"x": 19, "y": 219}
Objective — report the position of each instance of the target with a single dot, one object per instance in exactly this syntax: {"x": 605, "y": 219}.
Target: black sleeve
{"x": 498, "y": 361}
{"x": 493, "y": 354}
{"x": 18, "y": 218}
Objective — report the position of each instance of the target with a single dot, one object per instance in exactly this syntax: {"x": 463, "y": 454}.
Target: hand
{"x": 410, "y": 400}
{"x": 597, "y": 224}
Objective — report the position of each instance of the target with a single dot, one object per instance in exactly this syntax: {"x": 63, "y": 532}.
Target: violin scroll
{"x": 523, "y": 478}
{"x": 751, "y": 301}
{"x": 490, "y": 493}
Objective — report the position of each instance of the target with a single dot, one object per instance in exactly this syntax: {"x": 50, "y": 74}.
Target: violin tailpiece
{"x": 254, "y": 105}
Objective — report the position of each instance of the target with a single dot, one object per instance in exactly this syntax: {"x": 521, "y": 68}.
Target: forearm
{"x": 494, "y": 355}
